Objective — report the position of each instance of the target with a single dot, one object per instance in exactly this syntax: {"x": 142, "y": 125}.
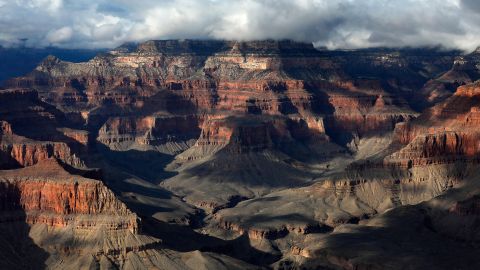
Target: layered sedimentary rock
{"x": 464, "y": 70}
{"x": 278, "y": 153}
{"x": 28, "y": 115}
{"x": 328, "y": 204}
{"x": 255, "y": 133}
{"x": 18, "y": 151}
{"x": 169, "y": 133}
{"x": 33, "y": 131}
{"x": 61, "y": 208}
{"x": 442, "y": 226}
{"x": 266, "y": 77}
{"x": 223, "y": 94}
{"x": 250, "y": 155}
{"x": 49, "y": 195}
{"x": 79, "y": 223}
{"x": 445, "y": 133}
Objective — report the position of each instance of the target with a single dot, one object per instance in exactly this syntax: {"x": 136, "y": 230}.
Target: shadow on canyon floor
{"x": 148, "y": 165}
{"x": 406, "y": 239}
{"x": 120, "y": 175}
{"x": 134, "y": 176}
{"x": 17, "y": 249}
{"x": 185, "y": 239}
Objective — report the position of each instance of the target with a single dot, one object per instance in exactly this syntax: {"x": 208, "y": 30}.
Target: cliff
{"x": 166, "y": 133}
{"x": 50, "y": 195}
{"x": 17, "y": 151}
{"x": 444, "y": 133}
{"x": 258, "y": 77}
{"x": 275, "y": 142}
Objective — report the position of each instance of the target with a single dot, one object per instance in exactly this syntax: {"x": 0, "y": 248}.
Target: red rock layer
{"x": 29, "y": 116}
{"x": 49, "y": 195}
{"x": 364, "y": 114}
{"x": 443, "y": 134}
{"x": 264, "y": 77}
{"x": 19, "y": 151}
{"x": 245, "y": 134}
{"x": 80, "y": 136}
{"x": 28, "y": 154}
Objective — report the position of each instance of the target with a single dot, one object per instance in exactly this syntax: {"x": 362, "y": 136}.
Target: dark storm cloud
{"x": 332, "y": 23}
{"x": 473, "y": 5}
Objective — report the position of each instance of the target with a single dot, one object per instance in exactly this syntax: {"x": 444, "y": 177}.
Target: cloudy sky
{"x": 331, "y": 23}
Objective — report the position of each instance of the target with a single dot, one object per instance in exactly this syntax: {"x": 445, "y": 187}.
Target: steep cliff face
{"x": 243, "y": 134}
{"x": 30, "y": 153}
{"x": 249, "y": 155}
{"x": 50, "y": 195}
{"x": 464, "y": 70}
{"x": 229, "y": 98}
{"x": 260, "y": 77}
{"x": 364, "y": 116}
{"x": 71, "y": 222}
{"x": 33, "y": 130}
{"x": 28, "y": 115}
{"x": 17, "y": 151}
{"x": 68, "y": 216}
{"x": 167, "y": 133}
{"x": 443, "y": 134}
{"x": 274, "y": 142}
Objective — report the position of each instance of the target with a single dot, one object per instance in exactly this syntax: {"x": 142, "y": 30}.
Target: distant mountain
{"x": 19, "y": 61}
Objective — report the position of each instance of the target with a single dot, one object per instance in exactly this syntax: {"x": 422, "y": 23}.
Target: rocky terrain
{"x": 191, "y": 154}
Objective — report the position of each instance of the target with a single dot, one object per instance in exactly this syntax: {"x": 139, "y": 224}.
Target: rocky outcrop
{"x": 17, "y": 151}
{"x": 238, "y": 135}
{"x": 275, "y": 140}
{"x": 363, "y": 116}
{"x": 49, "y": 195}
{"x": 443, "y": 134}
{"x": 439, "y": 148}
{"x": 30, "y": 117}
{"x": 331, "y": 203}
{"x": 174, "y": 133}
{"x": 5, "y": 128}
{"x": 464, "y": 70}
{"x": 30, "y": 153}
{"x": 80, "y": 136}
{"x": 69, "y": 216}
{"x": 258, "y": 77}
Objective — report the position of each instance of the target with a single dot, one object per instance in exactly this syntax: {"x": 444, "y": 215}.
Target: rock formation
{"x": 242, "y": 155}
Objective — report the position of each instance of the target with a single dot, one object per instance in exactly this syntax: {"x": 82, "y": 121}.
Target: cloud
{"x": 331, "y": 23}
{"x": 473, "y": 5}
{"x": 60, "y": 36}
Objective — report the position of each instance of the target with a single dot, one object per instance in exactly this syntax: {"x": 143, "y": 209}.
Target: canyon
{"x": 209, "y": 154}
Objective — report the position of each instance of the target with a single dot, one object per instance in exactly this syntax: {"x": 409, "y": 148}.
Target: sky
{"x": 330, "y": 23}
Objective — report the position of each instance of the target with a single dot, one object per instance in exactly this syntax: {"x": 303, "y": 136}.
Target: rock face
{"x": 267, "y": 77}
{"x": 65, "y": 207}
{"x": 445, "y": 133}
{"x": 269, "y": 154}
{"x": 49, "y": 195}
{"x": 168, "y": 133}
{"x": 33, "y": 131}
{"x": 465, "y": 70}
{"x": 18, "y": 151}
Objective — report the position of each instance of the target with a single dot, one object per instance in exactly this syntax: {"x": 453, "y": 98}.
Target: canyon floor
{"x": 191, "y": 154}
